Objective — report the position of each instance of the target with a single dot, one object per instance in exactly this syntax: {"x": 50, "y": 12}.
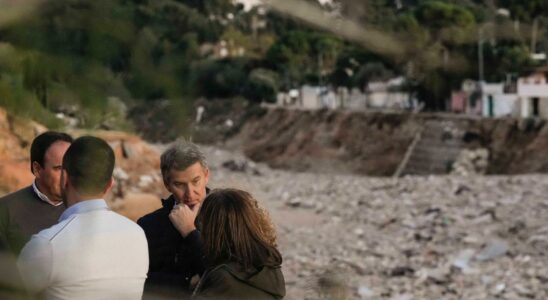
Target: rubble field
{"x": 436, "y": 237}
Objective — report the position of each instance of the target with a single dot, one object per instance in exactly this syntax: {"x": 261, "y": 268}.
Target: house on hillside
{"x": 389, "y": 94}
{"x": 485, "y": 99}
{"x": 290, "y": 98}
{"x": 309, "y": 97}
{"x": 468, "y": 99}
{"x": 533, "y": 94}
{"x": 528, "y": 97}
{"x": 498, "y": 100}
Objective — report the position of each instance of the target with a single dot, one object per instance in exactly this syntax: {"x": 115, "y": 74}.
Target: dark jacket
{"x": 231, "y": 281}
{"x": 173, "y": 260}
{"x": 23, "y": 214}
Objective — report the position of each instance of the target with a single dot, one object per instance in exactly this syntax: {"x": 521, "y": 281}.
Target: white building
{"x": 497, "y": 103}
{"x": 309, "y": 97}
{"x": 387, "y": 94}
{"x": 533, "y": 94}
{"x": 527, "y": 98}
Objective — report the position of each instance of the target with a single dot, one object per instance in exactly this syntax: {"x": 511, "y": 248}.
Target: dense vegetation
{"x": 94, "y": 59}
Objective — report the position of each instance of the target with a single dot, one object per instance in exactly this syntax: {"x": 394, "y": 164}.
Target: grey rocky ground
{"x": 443, "y": 237}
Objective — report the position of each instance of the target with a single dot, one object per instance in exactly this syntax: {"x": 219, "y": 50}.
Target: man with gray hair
{"x": 175, "y": 246}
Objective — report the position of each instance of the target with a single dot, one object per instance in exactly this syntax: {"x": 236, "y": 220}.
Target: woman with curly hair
{"x": 240, "y": 249}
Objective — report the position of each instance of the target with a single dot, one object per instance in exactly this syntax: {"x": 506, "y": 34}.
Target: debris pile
{"x": 471, "y": 162}
{"x": 436, "y": 237}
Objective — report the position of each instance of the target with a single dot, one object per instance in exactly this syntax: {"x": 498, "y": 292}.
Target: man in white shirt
{"x": 92, "y": 253}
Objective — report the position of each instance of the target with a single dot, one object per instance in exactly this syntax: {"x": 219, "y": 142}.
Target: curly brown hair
{"x": 236, "y": 229}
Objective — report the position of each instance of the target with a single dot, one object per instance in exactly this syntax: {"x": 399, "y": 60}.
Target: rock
{"x": 539, "y": 242}
{"x": 241, "y": 166}
{"x": 487, "y": 280}
{"x": 145, "y": 180}
{"x": 364, "y": 292}
{"x": 294, "y": 202}
{"x": 463, "y": 259}
{"x": 524, "y": 291}
{"x": 471, "y": 162}
{"x": 498, "y": 289}
{"x": 438, "y": 275}
{"x": 359, "y": 231}
{"x": 236, "y": 166}
{"x": 308, "y": 204}
{"x": 120, "y": 174}
{"x": 403, "y": 297}
{"x": 127, "y": 150}
{"x": 492, "y": 250}
{"x": 402, "y": 271}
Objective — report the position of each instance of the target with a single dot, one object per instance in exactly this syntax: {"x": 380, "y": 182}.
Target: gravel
{"x": 434, "y": 237}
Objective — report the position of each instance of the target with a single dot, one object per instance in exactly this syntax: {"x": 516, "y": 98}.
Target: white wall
{"x": 532, "y": 90}
{"x": 387, "y": 100}
{"x": 503, "y": 105}
{"x": 492, "y": 88}
{"x": 309, "y": 97}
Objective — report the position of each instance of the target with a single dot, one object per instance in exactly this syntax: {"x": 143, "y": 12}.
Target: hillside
{"x": 63, "y": 56}
{"x": 370, "y": 143}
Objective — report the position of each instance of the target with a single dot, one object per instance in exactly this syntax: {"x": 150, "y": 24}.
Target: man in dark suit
{"x": 175, "y": 246}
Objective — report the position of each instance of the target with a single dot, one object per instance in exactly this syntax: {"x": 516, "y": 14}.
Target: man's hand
{"x": 183, "y": 218}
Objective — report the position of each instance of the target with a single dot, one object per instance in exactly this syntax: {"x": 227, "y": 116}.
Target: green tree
{"x": 261, "y": 85}
{"x": 525, "y": 10}
{"x": 450, "y": 23}
{"x": 290, "y": 55}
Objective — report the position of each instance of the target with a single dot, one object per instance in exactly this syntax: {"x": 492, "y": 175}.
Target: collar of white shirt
{"x": 42, "y": 196}
{"x": 83, "y": 207}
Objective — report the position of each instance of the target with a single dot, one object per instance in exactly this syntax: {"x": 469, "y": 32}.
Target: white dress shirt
{"x": 92, "y": 253}
{"x": 43, "y": 196}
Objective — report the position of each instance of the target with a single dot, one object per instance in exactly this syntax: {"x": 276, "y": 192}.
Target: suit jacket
{"x": 174, "y": 260}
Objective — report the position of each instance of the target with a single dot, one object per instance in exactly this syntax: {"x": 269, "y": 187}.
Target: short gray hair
{"x": 179, "y": 156}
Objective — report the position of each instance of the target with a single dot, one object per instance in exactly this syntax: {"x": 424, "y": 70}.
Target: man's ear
{"x": 109, "y": 186}
{"x": 36, "y": 167}
{"x": 206, "y": 175}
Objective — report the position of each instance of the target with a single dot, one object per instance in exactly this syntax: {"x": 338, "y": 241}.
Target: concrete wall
{"x": 309, "y": 97}
{"x": 533, "y": 86}
{"x": 387, "y": 99}
{"x": 503, "y": 105}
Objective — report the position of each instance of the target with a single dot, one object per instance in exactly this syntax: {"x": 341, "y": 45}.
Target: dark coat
{"x": 23, "y": 214}
{"x": 231, "y": 281}
{"x": 173, "y": 260}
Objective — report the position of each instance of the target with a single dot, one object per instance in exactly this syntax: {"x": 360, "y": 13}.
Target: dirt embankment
{"x": 375, "y": 143}
{"x": 327, "y": 141}
{"x": 16, "y": 136}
